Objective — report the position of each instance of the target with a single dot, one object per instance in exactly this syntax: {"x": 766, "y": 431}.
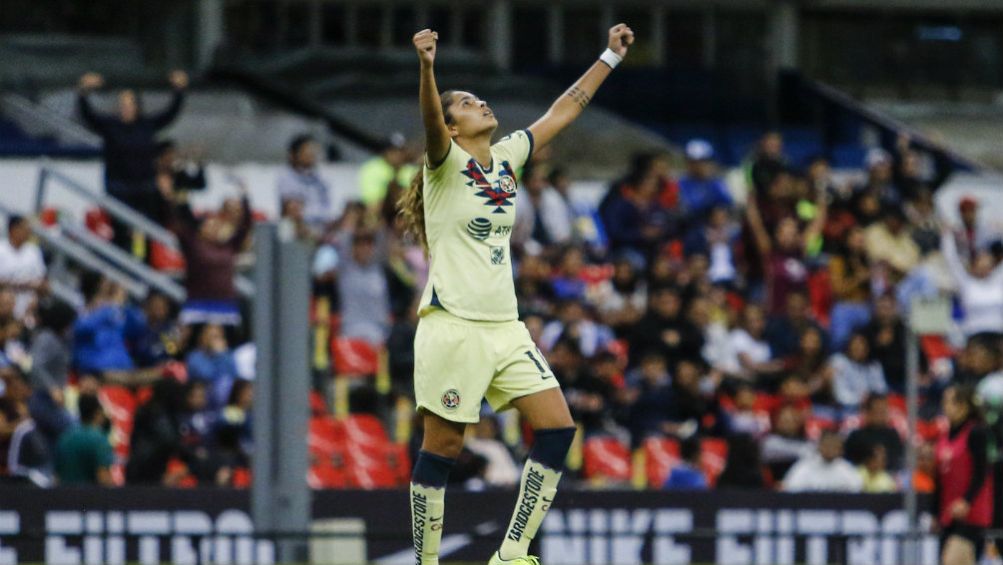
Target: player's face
{"x": 471, "y": 116}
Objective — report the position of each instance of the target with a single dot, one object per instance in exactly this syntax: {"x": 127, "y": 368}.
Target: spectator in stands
{"x": 50, "y": 366}
{"x": 879, "y": 178}
{"x": 210, "y": 248}
{"x": 196, "y": 425}
{"x": 716, "y": 238}
{"x": 622, "y": 299}
{"x": 362, "y": 289}
{"x": 824, "y": 470}
{"x": 212, "y": 363}
{"x": 787, "y": 441}
{"x": 158, "y": 339}
{"x": 543, "y": 216}
{"x": 586, "y": 222}
{"x": 22, "y": 268}
{"x": 767, "y": 162}
{"x": 890, "y": 246}
{"x": 156, "y": 437}
{"x": 665, "y": 329}
{"x": 302, "y": 182}
{"x": 693, "y": 409}
{"x": 972, "y": 235}
{"x": 701, "y": 189}
{"x": 886, "y": 335}
{"x": 568, "y": 281}
{"x": 130, "y": 148}
{"x": 588, "y": 396}
{"x": 24, "y": 455}
{"x": 633, "y": 217}
{"x": 808, "y": 368}
{"x": 850, "y": 273}
{"x": 183, "y": 173}
{"x": 99, "y": 334}
{"x": 854, "y": 374}
{"x": 575, "y": 322}
{"x": 924, "y": 477}
{"x": 650, "y": 398}
{"x": 980, "y": 288}
{"x": 237, "y": 412}
{"x": 908, "y": 174}
{"x": 784, "y": 330}
{"x": 742, "y": 467}
{"x": 751, "y": 358}
{"x": 83, "y": 455}
{"x": 482, "y": 439}
{"x": 924, "y": 222}
{"x": 745, "y": 418}
{"x": 875, "y": 429}
{"x": 686, "y": 475}
{"x": 874, "y": 473}
{"x": 382, "y": 176}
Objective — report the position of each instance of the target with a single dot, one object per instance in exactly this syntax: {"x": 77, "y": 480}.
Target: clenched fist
{"x": 178, "y": 79}
{"x": 91, "y": 81}
{"x": 424, "y": 43}
{"x": 620, "y": 37}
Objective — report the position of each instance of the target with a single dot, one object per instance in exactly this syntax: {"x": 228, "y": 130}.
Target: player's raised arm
{"x": 437, "y": 137}
{"x": 565, "y": 109}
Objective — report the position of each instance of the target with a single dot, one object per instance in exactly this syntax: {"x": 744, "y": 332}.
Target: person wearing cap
{"x": 971, "y": 236}
{"x": 890, "y": 244}
{"x": 386, "y": 174}
{"x": 701, "y": 189}
{"x": 878, "y": 163}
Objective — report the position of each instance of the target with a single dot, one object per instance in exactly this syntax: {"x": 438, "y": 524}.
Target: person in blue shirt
{"x": 687, "y": 474}
{"x": 701, "y": 189}
{"x": 213, "y": 364}
{"x": 101, "y": 332}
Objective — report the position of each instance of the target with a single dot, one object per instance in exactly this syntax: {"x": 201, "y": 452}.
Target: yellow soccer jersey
{"x": 469, "y": 213}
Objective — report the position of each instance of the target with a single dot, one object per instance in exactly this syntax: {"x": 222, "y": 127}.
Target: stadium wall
{"x": 154, "y": 525}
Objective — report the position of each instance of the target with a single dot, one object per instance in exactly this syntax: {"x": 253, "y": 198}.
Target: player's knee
{"x": 445, "y": 444}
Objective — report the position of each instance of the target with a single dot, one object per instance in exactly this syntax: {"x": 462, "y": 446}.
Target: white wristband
{"x": 610, "y": 58}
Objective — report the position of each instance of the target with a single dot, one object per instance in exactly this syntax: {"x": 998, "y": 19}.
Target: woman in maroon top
{"x": 783, "y": 256}
{"x": 964, "y": 489}
{"x": 210, "y": 247}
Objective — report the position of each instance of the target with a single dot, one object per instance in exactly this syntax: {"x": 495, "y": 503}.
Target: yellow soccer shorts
{"x": 460, "y": 362}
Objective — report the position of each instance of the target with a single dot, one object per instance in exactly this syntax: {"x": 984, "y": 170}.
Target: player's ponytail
{"x": 411, "y": 205}
{"x": 411, "y": 208}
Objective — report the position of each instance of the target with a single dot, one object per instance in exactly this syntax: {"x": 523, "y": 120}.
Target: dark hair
{"x": 164, "y": 146}
{"x": 411, "y": 204}
{"x": 872, "y": 399}
{"x": 965, "y": 394}
{"x": 15, "y": 220}
{"x": 8, "y": 408}
{"x": 299, "y": 141}
{"x": 236, "y": 389}
{"x": 90, "y": 284}
{"x": 689, "y": 448}
{"x": 829, "y": 433}
{"x": 56, "y": 316}
{"x": 89, "y": 406}
{"x": 555, "y": 174}
{"x": 858, "y": 334}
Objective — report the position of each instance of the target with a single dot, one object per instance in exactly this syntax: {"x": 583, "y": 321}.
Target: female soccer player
{"x": 470, "y": 344}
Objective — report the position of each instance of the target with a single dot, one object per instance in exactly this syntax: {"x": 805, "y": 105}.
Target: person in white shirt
{"x": 300, "y": 182}
{"x": 980, "y": 288}
{"x": 855, "y": 374}
{"x": 22, "y": 267}
{"x": 824, "y": 471}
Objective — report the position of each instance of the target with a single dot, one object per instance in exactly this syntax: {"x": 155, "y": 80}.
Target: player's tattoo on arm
{"x": 579, "y": 96}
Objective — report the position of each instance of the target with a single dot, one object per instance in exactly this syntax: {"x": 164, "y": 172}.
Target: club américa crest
{"x": 499, "y": 193}
{"x": 451, "y": 399}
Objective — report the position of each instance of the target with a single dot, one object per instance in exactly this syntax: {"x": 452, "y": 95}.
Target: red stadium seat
{"x": 365, "y": 429}
{"x": 935, "y": 347}
{"x": 98, "y": 223}
{"x": 606, "y": 459}
{"x": 660, "y": 456}
{"x": 163, "y": 258}
{"x": 714, "y": 454}
{"x": 354, "y": 357}
{"x": 814, "y": 426}
{"x": 326, "y": 476}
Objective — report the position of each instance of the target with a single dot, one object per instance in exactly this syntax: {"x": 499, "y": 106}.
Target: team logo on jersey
{"x": 497, "y": 255}
{"x": 479, "y": 228}
{"x": 498, "y": 193}
{"x": 451, "y": 399}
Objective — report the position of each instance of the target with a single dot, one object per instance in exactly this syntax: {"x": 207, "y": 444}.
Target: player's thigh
{"x": 442, "y": 437}
{"x": 525, "y": 381}
{"x": 958, "y": 550}
{"x": 452, "y": 368}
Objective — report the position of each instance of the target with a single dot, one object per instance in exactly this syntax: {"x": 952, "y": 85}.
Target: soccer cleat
{"x": 524, "y": 560}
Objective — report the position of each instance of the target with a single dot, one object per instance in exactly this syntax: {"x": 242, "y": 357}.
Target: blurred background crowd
{"x": 708, "y": 330}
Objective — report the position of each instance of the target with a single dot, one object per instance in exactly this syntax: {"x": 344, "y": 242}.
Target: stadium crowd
{"x": 680, "y": 310}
